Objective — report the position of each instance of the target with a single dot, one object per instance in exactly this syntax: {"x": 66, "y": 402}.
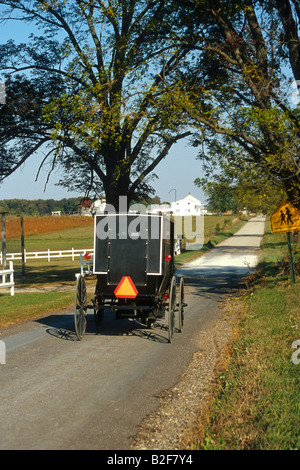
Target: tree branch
{"x": 26, "y": 156}
{"x": 157, "y": 160}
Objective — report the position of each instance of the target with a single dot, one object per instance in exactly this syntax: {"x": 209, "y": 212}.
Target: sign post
{"x": 291, "y": 257}
{"x": 286, "y": 218}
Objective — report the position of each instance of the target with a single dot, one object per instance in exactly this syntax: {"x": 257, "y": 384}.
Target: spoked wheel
{"x": 80, "y": 307}
{"x": 172, "y": 304}
{"x": 181, "y": 304}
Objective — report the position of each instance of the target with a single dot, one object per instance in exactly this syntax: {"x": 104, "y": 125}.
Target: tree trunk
{"x": 117, "y": 192}
{"x": 290, "y": 35}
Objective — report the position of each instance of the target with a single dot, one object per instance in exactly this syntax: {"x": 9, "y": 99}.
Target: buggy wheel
{"x": 181, "y": 303}
{"x": 80, "y": 307}
{"x": 172, "y": 303}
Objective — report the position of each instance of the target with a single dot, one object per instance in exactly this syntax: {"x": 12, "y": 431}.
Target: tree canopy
{"x": 248, "y": 64}
{"x": 89, "y": 89}
{"x": 106, "y": 88}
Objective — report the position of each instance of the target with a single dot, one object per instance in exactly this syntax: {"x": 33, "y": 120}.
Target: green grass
{"x": 27, "y": 306}
{"x": 58, "y": 270}
{"x": 76, "y": 237}
{"x": 256, "y": 402}
{"x": 274, "y": 260}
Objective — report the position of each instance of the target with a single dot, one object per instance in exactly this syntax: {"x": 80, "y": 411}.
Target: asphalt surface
{"x": 61, "y": 394}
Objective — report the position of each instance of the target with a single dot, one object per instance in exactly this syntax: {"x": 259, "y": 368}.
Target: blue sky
{"x": 178, "y": 170}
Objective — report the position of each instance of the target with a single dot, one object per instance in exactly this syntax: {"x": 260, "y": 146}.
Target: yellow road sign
{"x": 286, "y": 218}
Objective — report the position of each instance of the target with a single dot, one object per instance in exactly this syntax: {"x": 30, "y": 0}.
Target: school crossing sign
{"x": 286, "y": 218}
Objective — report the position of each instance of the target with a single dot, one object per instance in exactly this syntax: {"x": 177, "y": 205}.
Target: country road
{"x": 58, "y": 393}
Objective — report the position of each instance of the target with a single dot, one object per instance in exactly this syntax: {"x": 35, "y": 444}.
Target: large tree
{"x": 96, "y": 88}
{"x": 248, "y": 60}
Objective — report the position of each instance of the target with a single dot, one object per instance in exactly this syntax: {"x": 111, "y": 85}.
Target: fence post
{"x": 3, "y": 238}
{"x": 8, "y": 272}
{"x": 11, "y": 278}
{"x": 2, "y": 353}
{"x": 22, "y": 245}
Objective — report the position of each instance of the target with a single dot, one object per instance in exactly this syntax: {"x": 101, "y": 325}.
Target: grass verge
{"x": 29, "y": 305}
{"x": 256, "y": 399}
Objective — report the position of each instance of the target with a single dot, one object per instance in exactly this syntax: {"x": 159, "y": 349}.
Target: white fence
{"x": 8, "y": 272}
{"x": 46, "y": 254}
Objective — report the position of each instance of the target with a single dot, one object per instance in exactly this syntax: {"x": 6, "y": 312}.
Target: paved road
{"x": 229, "y": 260}
{"x": 58, "y": 393}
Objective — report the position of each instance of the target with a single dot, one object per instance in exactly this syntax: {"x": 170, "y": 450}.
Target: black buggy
{"x": 134, "y": 264}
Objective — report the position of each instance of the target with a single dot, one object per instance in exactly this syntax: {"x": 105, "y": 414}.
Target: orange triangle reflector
{"x": 126, "y": 289}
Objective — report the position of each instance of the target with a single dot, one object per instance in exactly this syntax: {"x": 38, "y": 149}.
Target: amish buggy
{"x": 134, "y": 265}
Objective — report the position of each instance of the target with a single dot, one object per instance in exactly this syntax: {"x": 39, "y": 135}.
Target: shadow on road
{"x": 217, "y": 280}
{"x": 62, "y": 327}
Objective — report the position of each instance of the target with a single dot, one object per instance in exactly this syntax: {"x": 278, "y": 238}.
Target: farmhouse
{"x": 190, "y": 205}
{"x": 164, "y": 208}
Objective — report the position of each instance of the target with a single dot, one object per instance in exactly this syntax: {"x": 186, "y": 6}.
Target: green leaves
{"x": 241, "y": 73}
{"x": 120, "y": 82}
{"x": 121, "y": 99}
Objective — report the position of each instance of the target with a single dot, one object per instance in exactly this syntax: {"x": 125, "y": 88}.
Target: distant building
{"x": 56, "y": 213}
{"x": 97, "y": 207}
{"x": 190, "y": 205}
{"x": 164, "y": 208}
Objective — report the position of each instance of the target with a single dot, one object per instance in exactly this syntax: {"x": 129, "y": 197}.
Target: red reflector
{"x": 168, "y": 257}
{"x": 166, "y": 296}
{"x": 126, "y": 289}
{"x": 87, "y": 255}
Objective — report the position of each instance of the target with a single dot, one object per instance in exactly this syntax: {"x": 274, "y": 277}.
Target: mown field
{"x": 46, "y": 224}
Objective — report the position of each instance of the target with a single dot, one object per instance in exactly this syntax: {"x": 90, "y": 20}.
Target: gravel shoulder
{"x": 183, "y": 408}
